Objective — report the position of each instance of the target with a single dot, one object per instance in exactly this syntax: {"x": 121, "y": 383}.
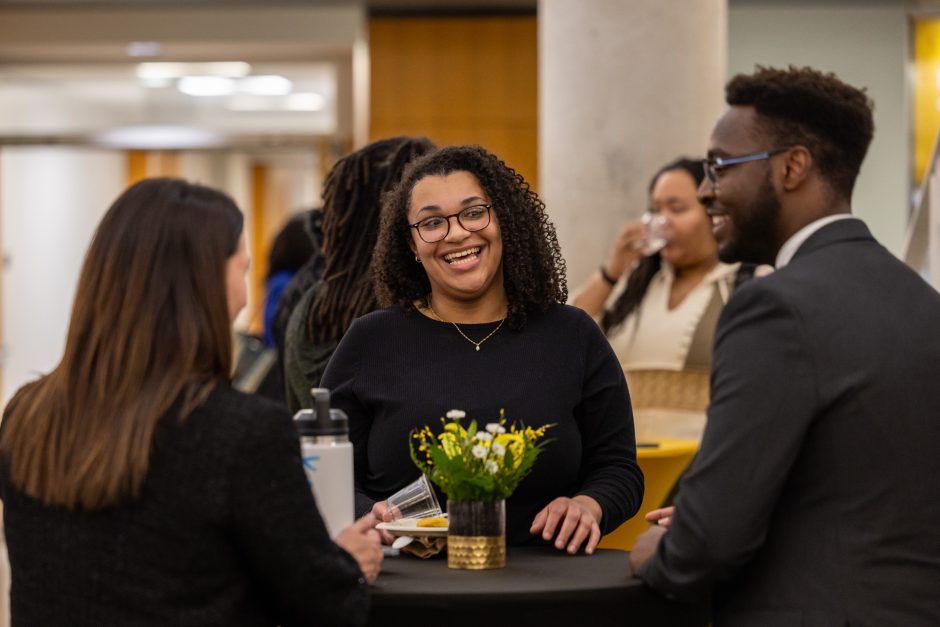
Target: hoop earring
{"x": 417, "y": 258}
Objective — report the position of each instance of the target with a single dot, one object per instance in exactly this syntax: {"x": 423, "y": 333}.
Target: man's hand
{"x": 570, "y": 522}
{"x": 645, "y": 546}
{"x": 661, "y": 517}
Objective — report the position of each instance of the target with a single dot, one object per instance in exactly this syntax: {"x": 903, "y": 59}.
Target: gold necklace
{"x": 462, "y": 334}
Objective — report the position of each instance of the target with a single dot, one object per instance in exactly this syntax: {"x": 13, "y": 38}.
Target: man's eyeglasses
{"x": 714, "y": 165}
{"x": 435, "y": 228}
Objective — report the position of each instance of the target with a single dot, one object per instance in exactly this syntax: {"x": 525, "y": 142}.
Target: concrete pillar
{"x": 624, "y": 87}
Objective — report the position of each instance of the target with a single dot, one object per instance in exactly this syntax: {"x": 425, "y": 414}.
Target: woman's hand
{"x": 570, "y": 522}
{"x": 361, "y": 540}
{"x": 381, "y": 513}
{"x": 627, "y": 248}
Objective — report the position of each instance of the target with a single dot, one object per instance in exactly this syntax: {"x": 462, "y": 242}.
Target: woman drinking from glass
{"x": 472, "y": 278}
{"x": 658, "y": 297}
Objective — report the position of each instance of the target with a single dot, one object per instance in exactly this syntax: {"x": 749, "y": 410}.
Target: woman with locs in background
{"x": 473, "y": 281}
{"x": 352, "y": 197}
{"x": 139, "y": 488}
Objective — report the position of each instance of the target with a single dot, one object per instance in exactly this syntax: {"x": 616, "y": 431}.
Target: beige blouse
{"x": 656, "y": 337}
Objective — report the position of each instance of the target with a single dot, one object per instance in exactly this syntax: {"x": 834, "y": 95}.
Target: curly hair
{"x": 646, "y": 268}
{"x": 802, "y": 106}
{"x": 533, "y": 268}
{"x": 352, "y": 194}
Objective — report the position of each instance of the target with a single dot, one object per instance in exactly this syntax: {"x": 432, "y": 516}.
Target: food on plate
{"x": 433, "y": 521}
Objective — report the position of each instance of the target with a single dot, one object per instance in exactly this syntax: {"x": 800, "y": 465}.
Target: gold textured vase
{"x": 476, "y": 534}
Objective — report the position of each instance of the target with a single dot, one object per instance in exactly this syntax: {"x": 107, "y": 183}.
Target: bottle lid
{"x": 321, "y": 420}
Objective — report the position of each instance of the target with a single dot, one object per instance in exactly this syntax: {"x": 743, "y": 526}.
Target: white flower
{"x": 495, "y": 428}
{"x": 483, "y": 436}
{"x": 492, "y": 467}
{"x": 498, "y": 449}
{"x": 456, "y": 414}
{"x": 479, "y": 451}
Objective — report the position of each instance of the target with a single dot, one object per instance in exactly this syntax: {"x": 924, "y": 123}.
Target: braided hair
{"x": 351, "y": 196}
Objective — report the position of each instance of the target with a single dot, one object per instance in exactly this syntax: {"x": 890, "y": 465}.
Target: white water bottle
{"x": 328, "y": 460}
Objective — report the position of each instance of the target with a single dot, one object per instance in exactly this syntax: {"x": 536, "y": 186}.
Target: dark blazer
{"x": 815, "y": 496}
{"x": 224, "y": 533}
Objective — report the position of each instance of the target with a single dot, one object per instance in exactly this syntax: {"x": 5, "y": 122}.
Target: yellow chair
{"x": 669, "y": 408}
{"x": 662, "y": 464}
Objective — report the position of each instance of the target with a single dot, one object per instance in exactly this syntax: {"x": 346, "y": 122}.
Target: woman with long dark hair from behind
{"x": 352, "y": 197}
{"x": 138, "y": 487}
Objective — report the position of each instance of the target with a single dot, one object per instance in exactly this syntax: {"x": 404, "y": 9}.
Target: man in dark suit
{"x": 815, "y": 497}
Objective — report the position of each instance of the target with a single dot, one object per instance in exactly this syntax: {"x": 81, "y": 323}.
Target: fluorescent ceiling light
{"x": 144, "y": 49}
{"x": 232, "y": 69}
{"x": 206, "y": 86}
{"x": 160, "y": 138}
{"x": 306, "y": 102}
{"x": 248, "y": 102}
{"x": 265, "y": 85}
{"x": 294, "y": 102}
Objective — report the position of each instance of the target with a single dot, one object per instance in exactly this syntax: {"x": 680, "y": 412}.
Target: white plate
{"x": 409, "y": 527}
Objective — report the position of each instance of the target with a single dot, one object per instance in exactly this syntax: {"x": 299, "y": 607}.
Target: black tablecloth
{"x": 539, "y": 586}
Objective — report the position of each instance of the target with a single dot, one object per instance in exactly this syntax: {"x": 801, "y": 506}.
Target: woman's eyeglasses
{"x": 435, "y": 228}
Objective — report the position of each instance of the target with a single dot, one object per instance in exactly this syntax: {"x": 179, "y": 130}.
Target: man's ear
{"x": 796, "y": 167}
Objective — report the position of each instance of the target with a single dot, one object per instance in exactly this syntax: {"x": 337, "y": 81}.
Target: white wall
{"x": 624, "y": 87}
{"x": 864, "y": 46}
{"x": 51, "y": 200}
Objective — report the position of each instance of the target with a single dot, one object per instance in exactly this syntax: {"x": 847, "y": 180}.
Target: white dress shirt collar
{"x": 789, "y": 248}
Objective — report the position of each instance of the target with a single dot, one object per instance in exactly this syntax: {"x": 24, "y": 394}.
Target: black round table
{"x": 539, "y": 586}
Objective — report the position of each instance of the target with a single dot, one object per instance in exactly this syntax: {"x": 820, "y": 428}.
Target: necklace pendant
{"x": 478, "y": 349}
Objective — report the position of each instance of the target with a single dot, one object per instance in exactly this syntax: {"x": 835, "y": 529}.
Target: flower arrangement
{"x": 471, "y": 464}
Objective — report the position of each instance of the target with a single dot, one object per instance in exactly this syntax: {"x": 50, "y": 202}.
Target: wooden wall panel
{"x": 458, "y": 80}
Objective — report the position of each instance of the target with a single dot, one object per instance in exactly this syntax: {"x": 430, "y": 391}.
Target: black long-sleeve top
{"x": 396, "y": 370}
{"x": 225, "y": 532}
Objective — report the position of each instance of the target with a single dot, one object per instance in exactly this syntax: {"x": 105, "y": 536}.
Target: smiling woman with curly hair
{"x": 533, "y": 268}
{"x": 468, "y": 267}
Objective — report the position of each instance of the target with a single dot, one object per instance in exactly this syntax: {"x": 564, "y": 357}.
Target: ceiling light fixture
{"x": 310, "y": 101}
{"x": 144, "y": 49}
{"x": 206, "y": 86}
{"x": 165, "y": 70}
{"x": 158, "y": 137}
{"x": 265, "y": 85}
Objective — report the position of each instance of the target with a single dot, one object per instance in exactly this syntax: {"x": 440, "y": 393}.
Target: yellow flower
{"x": 449, "y": 444}
{"x": 515, "y": 443}
{"x": 453, "y": 428}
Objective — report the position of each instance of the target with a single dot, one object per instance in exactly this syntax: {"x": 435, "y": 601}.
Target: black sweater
{"x": 225, "y": 532}
{"x": 396, "y": 370}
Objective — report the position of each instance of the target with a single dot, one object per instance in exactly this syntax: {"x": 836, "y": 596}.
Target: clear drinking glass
{"x": 657, "y": 233}
{"x": 415, "y": 500}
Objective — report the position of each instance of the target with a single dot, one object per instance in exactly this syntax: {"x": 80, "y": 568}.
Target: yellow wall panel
{"x": 458, "y": 80}
{"x": 926, "y": 91}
